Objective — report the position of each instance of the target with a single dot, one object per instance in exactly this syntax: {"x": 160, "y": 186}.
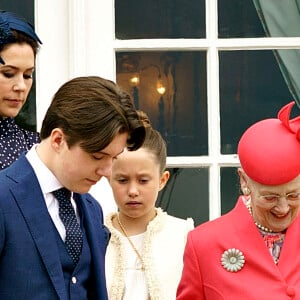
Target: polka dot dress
{"x": 14, "y": 141}
{"x": 73, "y": 240}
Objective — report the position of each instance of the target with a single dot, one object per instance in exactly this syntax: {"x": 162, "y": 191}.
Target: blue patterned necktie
{"x": 73, "y": 240}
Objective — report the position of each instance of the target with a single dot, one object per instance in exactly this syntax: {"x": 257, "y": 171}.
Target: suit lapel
{"x": 289, "y": 261}
{"x": 30, "y": 201}
{"x": 98, "y": 236}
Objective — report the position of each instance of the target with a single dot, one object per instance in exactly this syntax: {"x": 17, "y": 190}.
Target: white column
{"x": 51, "y": 23}
{"x": 78, "y": 40}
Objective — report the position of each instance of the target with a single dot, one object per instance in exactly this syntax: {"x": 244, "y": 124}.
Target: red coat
{"x": 260, "y": 278}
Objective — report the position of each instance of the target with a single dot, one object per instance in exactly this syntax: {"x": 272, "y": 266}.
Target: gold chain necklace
{"x": 266, "y": 229}
{"x": 131, "y": 243}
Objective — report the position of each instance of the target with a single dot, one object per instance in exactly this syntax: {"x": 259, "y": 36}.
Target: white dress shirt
{"x": 135, "y": 280}
{"x": 49, "y": 183}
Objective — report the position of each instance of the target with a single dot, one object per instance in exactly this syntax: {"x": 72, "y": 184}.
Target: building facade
{"x": 203, "y": 70}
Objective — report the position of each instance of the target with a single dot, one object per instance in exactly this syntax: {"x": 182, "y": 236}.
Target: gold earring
{"x": 246, "y": 191}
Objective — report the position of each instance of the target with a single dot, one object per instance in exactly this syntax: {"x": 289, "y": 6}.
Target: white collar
{"x": 48, "y": 182}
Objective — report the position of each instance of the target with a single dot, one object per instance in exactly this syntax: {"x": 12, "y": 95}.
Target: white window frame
{"x": 78, "y": 39}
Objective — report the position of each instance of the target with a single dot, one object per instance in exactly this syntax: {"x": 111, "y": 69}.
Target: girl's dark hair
{"x": 154, "y": 142}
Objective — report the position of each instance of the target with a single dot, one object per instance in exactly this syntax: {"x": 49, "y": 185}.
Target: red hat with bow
{"x": 269, "y": 150}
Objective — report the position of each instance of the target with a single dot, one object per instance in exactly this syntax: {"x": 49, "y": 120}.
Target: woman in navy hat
{"x": 19, "y": 45}
{"x": 253, "y": 251}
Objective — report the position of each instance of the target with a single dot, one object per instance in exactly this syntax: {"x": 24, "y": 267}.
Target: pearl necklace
{"x": 131, "y": 244}
{"x": 259, "y": 226}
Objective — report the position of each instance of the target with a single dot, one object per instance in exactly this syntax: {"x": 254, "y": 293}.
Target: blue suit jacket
{"x": 30, "y": 267}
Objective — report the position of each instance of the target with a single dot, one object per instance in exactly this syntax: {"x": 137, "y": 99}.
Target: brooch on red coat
{"x": 233, "y": 260}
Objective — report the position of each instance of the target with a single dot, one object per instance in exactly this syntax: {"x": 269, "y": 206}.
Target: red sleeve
{"x": 190, "y": 285}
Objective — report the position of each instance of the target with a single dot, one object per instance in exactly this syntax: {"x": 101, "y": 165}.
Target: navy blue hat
{"x": 10, "y": 21}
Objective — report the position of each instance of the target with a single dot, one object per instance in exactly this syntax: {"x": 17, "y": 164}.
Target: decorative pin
{"x": 233, "y": 260}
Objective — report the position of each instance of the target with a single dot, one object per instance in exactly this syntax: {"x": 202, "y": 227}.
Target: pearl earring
{"x": 246, "y": 191}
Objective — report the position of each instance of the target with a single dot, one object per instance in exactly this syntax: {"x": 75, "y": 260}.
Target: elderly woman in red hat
{"x": 253, "y": 252}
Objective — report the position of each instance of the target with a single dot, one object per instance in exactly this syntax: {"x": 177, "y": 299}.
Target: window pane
{"x": 159, "y": 19}
{"x": 25, "y": 8}
{"x": 27, "y": 116}
{"x": 251, "y": 88}
{"x": 279, "y": 18}
{"x": 239, "y": 18}
{"x": 186, "y": 194}
{"x": 258, "y": 18}
{"x": 180, "y": 111}
{"x": 230, "y": 189}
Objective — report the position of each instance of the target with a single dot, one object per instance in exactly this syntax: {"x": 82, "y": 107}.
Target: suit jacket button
{"x": 290, "y": 291}
{"x": 74, "y": 280}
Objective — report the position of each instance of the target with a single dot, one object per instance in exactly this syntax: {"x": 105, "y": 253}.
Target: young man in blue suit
{"x": 88, "y": 123}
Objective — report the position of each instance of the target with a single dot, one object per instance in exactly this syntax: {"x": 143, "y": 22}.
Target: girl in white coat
{"x": 144, "y": 255}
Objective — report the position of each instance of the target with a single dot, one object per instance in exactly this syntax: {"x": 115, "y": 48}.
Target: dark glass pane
{"x": 230, "y": 189}
{"x": 239, "y": 18}
{"x": 25, "y": 8}
{"x": 180, "y": 111}
{"x": 27, "y": 116}
{"x": 251, "y": 88}
{"x": 159, "y": 19}
{"x": 186, "y": 194}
